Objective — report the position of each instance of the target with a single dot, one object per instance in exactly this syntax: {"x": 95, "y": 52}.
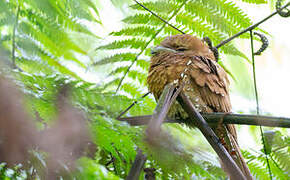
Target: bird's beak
{"x": 158, "y": 49}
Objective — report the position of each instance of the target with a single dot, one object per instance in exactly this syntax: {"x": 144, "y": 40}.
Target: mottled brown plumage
{"x": 185, "y": 59}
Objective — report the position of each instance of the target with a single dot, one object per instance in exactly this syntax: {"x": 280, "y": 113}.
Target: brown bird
{"x": 185, "y": 59}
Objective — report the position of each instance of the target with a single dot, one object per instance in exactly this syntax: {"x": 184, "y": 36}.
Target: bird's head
{"x": 186, "y": 44}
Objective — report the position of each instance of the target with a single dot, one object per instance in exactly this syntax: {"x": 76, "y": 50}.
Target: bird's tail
{"x": 228, "y": 136}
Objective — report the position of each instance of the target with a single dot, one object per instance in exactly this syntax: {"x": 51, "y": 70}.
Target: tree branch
{"x": 167, "y": 97}
{"x": 137, "y": 166}
{"x": 230, "y": 165}
{"x": 213, "y": 118}
{"x": 128, "y": 108}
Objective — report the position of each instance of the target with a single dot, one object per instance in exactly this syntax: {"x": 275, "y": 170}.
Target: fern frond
{"x": 161, "y": 6}
{"x": 202, "y": 29}
{"x": 131, "y": 89}
{"x": 278, "y": 168}
{"x": 141, "y": 77}
{"x": 117, "y": 58}
{"x": 282, "y": 156}
{"x": 134, "y": 43}
{"x": 43, "y": 31}
{"x": 257, "y": 168}
{"x": 49, "y": 28}
{"x": 35, "y": 53}
{"x": 34, "y": 66}
{"x": 112, "y": 83}
{"x": 229, "y": 10}
{"x": 199, "y": 27}
{"x": 145, "y": 31}
{"x": 281, "y": 151}
{"x": 146, "y": 19}
{"x": 79, "y": 10}
{"x": 212, "y": 17}
{"x": 143, "y": 64}
{"x": 119, "y": 70}
{"x": 278, "y": 151}
{"x": 255, "y": 1}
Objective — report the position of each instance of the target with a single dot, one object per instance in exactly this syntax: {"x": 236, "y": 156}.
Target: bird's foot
{"x": 220, "y": 122}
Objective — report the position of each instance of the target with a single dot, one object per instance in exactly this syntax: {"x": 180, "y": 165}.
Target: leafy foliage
{"x": 114, "y": 139}
{"x": 12, "y": 173}
{"x": 279, "y": 158}
{"x": 45, "y": 37}
{"x": 38, "y": 32}
{"x": 255, "y": 1}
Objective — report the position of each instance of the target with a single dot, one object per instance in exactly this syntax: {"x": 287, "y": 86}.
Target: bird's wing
{"x": 208, "y": 79}
{"x": 212, "y": 83}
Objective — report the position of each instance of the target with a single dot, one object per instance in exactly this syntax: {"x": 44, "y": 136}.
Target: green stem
{"x": 257, "y": 102}
{"x": 276, "y": 164}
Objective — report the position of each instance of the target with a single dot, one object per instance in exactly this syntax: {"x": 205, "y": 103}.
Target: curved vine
{"x": 282, "y": 12}
{"x": 265, "y": 43}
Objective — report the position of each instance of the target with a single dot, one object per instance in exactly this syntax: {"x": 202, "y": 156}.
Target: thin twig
{"x": 146, "y": 45}
{"x": 230, "y": 165}
{"x": 280, "y": 11}
{"x": 214, "y": 118}
{"x": 169, "y": 95}
{"x": 250, "y": 27}
{"x": 257, "y": 101}
{"x": 128, "y": 108}
{"x": 154, "y": 14}
{"x": 113, "y": 162}
{"x": 137, "y": 166}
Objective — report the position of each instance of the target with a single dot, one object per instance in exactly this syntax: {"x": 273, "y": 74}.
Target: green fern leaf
{"x": 137, "y": 75}
{"x": 255, "y": 1}
{"x": 146, "y": 19}
{"x": 161, "y": 6}
{"x": 145, "y": 31}
{"x": 119, "y": 70}
{"x": 117, "y": 58}
{"x": 143, "y": 64}
{"x": 134, "y": 43}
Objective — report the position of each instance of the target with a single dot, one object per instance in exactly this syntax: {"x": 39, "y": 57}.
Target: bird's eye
{"x": 181, "y": 49}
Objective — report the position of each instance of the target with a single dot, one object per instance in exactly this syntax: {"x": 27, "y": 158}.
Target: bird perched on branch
{"x": 188, "y": 60}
